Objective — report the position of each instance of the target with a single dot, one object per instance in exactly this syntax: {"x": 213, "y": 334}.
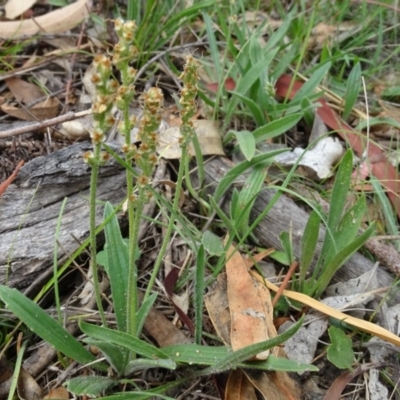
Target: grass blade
{"x": 199, "y": 293}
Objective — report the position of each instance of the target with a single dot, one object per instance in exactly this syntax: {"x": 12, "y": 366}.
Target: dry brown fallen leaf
{"x": 26, "y": 92}
{"x": 44, "y": 110}
{"x": 27, "y": 387}
{"x": 250, "y": 306}
{"x": 239, "y": 387}
{"x": 59, "y": 393}
{"x": 208, "y": 134}
{"x": 278, "y": 384}
{"x": 56, "y": 21}
{"x": 15, "y": 8}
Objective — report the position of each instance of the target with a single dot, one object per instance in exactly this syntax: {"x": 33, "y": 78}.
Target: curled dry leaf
{"x": 239, "y": 387}
{"x": 329, "y": 34}
{"x": 208, "y": 134}
{"x": 59, "y": 393}
{"x": 315, "y": 163}
{"x": 56, "y": 21}
{"x": 15, "y": 8}
{"x": 78, "y": 129}
{"x": 27, "y": 387}
{"x": 44, "y": 110}
{"x": 24, "y": 92}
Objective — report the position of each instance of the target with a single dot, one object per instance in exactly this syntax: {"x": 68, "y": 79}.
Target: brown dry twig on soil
{"x": 44, "y": 124}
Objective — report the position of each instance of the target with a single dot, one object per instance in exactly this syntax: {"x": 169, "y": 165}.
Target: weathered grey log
{"x": 283, "y": 215}
{"x": 29, "y": 211}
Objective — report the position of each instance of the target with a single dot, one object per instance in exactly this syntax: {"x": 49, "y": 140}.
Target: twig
{"x": 43, "y": 124}
{"x": 285, "y": 282}
{"x": 9, "y": 180}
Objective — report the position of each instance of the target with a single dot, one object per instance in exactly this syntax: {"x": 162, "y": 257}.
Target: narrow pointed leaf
{"x": 47, "y": 328}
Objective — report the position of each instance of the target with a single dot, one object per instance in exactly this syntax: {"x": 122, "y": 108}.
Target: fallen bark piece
{"x": 30, "y": 207}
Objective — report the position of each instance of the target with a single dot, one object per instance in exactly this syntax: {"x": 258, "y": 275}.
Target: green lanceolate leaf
{"x": 350, "y": 223}
{"x": 352, "y": 89}
{"x": 336, "y": 210}
{"x": 212, "y": 243}
{"x": 232, "y": 360}
{"x": 313, "y": 82}
{"x": 340, "y": 191}
{"x": 89, "y": 385}
{"x": 47, "y": 328}
{"x": 254, "y": 108}
{"x": 340, "y": 258}
{"x": 309, "y": 244}
{"x": 287, "y": 246}
{"x": 276, "y": 128}
{"x": 247, "y": 197}
{"x": 246, "y": 143}
{"x": 122, "y": 339}
{"x": 117, "y": 267}
{"x": 143, "y": 312}
{"x": 115, "y": 355}
{"x": 340, "y": 351}
{"x": 139, "y": 364}
{"x": 222, "y": 358}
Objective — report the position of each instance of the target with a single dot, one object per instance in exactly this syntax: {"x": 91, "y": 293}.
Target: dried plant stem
{"x": 92, "y": 224}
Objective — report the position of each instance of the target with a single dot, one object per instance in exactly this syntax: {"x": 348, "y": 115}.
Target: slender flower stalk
{"x": 145, "y": 156}
{"x": 146, "y": 159}
{"x": 103, "y": 120}
{"x": 188, "y": 110}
